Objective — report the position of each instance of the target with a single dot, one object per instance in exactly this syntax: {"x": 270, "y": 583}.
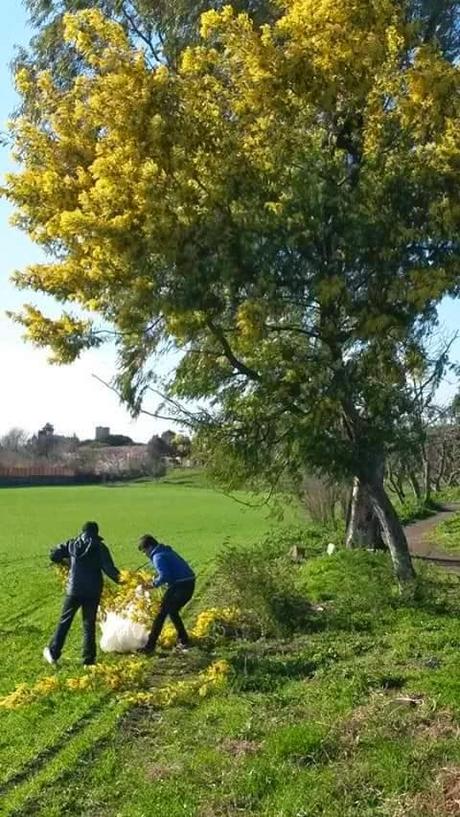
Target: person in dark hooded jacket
{"x": 174, "y": 572}
{"x": 88, "y": 558}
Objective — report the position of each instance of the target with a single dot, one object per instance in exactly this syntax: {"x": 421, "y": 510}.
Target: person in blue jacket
{"x": 172, "y": 570}
{"x": 88, "y": 557}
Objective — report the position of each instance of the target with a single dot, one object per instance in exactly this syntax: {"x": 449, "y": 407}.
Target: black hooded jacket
{"x": 89, "y": 557}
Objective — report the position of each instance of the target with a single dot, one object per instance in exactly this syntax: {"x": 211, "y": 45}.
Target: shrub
{"x": 325, "y": 501}
{"x": 260, "y": 581}
{"x": 413, "y": 509}
{"x": 156, "y": 468}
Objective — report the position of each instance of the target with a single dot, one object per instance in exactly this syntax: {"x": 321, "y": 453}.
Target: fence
{"x": 46, "y": 474}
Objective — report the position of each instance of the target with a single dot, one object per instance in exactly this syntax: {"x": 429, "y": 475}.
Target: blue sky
{"x": 34, "y": 392}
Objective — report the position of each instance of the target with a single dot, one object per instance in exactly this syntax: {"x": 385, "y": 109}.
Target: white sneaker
{"x": 48, "y": 657}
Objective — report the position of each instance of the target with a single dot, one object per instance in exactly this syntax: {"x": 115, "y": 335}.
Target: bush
{"x": 325, "y": 501}
{"x": 156, "y": 468}
{"x": 413, "y": 509}
{"x": 260, "y": 581}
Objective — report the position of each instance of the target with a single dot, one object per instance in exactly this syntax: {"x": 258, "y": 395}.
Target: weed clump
{"x": 261, "y": 582}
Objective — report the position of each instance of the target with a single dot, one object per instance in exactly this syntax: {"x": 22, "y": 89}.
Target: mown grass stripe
{"x": 64, "y": 763}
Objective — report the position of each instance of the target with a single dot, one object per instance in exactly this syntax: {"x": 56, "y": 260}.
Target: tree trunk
{"x": 363, "y": 527}
{"x": 442, "y": 467}
{"x": 453, "y": 479}
{"x": 412, "y": 477}
{"x": 393, "y": 532}
{"x": 396, "y": 487}
{"x": 427, "y": 479}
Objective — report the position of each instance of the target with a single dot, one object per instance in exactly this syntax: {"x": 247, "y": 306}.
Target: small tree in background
{"x": 157, "y": 448}
{"x": 44, "y": 442}
{"x": 15, "y": 440}
{"x": 182, "y": 446}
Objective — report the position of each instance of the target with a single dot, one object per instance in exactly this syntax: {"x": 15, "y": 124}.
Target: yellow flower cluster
{"x": 116, "y": 677}
{"x": 96, "y": 177}
{"x": 25, "y": 694}
{"x": 62, "y": 572}
{"x": 216, "y": 621}
{"x": 250, "y": 320}
{"x": 131, "y": 596}
{"x": 185, "y": 692}
{"x": 128, "y": 677}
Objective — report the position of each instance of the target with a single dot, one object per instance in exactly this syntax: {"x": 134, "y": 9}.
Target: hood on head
{"x": 160, "y": 548}
{"x": 83, "y": 545}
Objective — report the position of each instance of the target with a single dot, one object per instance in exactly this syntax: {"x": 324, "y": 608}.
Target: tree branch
{"x": 154, "y": 414}
{"x": 241, "y": 367}
{"x": 142, "y": 36}
{"x": 252, "y": 374}
{"x": 178, "y": 407}
{"x": 296, "y": 329}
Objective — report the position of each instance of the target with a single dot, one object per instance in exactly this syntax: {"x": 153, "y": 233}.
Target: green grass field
{"x": 196, "y": 520}
{"x": 355, "y": 715}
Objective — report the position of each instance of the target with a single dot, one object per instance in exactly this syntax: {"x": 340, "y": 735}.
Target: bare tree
{"x": 14, "y": 440}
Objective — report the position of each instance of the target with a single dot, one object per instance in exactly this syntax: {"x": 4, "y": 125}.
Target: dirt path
{"x": 417, "y": 537}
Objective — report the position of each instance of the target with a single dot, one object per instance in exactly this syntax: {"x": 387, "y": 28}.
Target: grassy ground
{"x": 358, "y": 715}
{"x": 195, "y": 519}
{"x": 447, "y": 535}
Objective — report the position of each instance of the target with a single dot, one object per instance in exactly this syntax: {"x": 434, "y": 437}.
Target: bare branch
{"x": 118, "y": 334}
{"x": 142, "y": 36}
{"x": 289, "y": 328}
{"x": 179, "y": 407}
{"x": 154, "y": 414}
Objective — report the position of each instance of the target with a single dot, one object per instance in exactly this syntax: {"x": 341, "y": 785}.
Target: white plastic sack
{"x": 121, "y": 634}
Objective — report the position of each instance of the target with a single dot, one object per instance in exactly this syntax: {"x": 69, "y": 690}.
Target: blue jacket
{"x": 88, "y": 557}
{"x": 170, "y": 567}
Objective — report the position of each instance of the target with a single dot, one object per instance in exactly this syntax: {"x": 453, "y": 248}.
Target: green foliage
{"x": 450, "y": 494}
{"x": 413, "y": 509}
{"x": 260, "y": 580}
{"x": 298, "y": 308}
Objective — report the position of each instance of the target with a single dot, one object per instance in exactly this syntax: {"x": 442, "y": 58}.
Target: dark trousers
{"x": 88, "y": 611}
{"x": 176, "y": 597}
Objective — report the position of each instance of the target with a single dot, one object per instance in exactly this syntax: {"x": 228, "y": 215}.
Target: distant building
{"x": 102, "y": 434}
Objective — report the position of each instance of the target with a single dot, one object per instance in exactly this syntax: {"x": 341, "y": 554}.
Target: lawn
{"x": 197, "y": 520}
{"x": 356, "y": 714}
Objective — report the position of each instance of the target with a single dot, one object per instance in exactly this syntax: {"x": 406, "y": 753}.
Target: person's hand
{"x": 143, "y": 587}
